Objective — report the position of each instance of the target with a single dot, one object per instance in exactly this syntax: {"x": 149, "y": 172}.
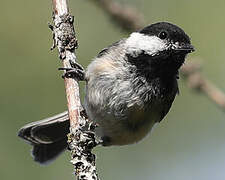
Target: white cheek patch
{"x": 137, "y": 43}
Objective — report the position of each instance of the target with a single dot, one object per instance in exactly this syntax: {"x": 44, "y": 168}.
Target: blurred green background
{"x": 188, "y": 144}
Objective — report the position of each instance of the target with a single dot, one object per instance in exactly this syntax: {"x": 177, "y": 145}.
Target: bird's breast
{"x": 124, "y": 106}
{"x": 123, "y": 125}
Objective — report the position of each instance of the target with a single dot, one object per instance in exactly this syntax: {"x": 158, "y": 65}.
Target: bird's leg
{"x": 76, "y": 71}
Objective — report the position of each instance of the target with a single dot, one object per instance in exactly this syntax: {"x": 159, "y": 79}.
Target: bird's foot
{"x": 76, "y": 71}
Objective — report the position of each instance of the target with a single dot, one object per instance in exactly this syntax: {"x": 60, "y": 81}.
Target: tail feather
{"x": 44, "y": 154}
{"x": 48, "y": 137}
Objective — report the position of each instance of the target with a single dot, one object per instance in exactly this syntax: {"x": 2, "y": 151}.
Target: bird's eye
{"x": 163, "y": 35}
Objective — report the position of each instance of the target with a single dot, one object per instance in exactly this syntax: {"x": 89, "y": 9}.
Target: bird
{"x": 130, "y": 86}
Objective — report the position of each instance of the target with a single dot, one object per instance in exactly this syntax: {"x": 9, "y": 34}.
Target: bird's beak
{"x": 188, "y": 48}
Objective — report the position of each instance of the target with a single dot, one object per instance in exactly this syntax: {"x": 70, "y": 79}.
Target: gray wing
{"x": 105, "y": 50}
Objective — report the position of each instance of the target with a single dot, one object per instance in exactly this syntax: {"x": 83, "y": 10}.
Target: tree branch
{"x": 127, "y": 17}
{"x": 195, "y": 80}
{"x": 81, "y": 139}
{"x": 131, "y": 20}
{"x": 65, "y": 40}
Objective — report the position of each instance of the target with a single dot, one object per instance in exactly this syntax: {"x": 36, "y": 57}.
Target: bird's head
{"x": 161, "y": 44}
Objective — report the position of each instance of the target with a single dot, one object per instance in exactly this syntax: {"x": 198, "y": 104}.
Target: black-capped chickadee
{"x": 130, "y": 86}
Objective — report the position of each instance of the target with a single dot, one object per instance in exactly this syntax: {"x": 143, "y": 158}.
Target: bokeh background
{"x": 188, "y": 144}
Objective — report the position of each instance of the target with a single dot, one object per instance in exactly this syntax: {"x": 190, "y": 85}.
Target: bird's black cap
{"x": 165, "y": 30}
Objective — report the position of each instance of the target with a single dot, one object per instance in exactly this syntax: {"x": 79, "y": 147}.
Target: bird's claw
{"x": 76, "y": 71}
